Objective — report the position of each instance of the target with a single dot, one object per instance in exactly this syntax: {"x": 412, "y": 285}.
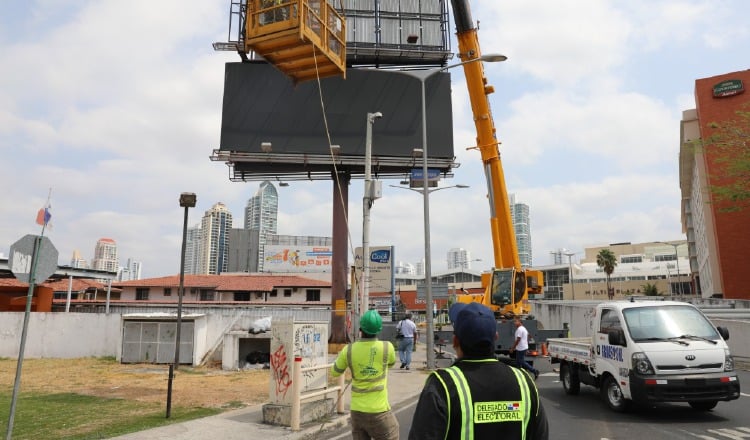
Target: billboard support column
{"x": 339, "y": 260}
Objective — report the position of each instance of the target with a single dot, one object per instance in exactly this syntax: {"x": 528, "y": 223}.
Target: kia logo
{"x": 690, "y": 357}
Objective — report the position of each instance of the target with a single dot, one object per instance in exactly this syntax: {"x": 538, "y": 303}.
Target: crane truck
{"x": 508, "y": 285}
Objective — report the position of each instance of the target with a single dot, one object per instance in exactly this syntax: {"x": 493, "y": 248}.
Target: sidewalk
{"x": 247, "y": 423}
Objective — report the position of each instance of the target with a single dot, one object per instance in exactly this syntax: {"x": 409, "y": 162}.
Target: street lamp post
{"x": 422, "y": 76}
{"x": 187, "y": 201}
{"x": 570, "y": 265}
{"x": 677, "y": 263}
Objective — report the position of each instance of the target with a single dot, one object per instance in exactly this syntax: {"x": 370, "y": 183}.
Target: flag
{"x": 43, "y": 216}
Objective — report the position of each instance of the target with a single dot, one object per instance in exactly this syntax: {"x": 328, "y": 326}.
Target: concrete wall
{"x": 61, "y": 335}
{"x": 576, "y": 314}
{"x": 73, "y": 335}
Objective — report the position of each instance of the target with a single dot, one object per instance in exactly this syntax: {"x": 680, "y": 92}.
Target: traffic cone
{"x": 545, "y": 353}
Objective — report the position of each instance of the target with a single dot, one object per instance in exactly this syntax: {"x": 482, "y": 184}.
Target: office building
{"x": 77, "y": 261}
{"x": 519, "y": 213}
{"x": 105, "y": 256}
{"x": 193, "y": 245}
{"x": 716, "y": 229}
{"x": 459, "y": 258}
{"x": 131, "y": 271}
{"x": 214, "y": 250}
{"x": 261, "y": 214}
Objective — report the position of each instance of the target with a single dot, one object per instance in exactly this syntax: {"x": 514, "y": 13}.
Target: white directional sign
{"x": 21, "y": 254}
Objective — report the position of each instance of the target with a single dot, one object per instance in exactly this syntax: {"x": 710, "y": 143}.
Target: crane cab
{"x": 304, "y": 39}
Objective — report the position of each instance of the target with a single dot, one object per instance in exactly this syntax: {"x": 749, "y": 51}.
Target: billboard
{"x": 262, "y": 105}
{"x": 381, "y": 268}
{"x": 284, "y": 258}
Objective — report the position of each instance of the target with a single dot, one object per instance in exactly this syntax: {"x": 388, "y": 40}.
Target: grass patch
{"x": 75, "y": 416}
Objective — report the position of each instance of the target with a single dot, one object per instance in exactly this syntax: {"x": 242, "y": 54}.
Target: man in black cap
{"x": 478, "y": 397}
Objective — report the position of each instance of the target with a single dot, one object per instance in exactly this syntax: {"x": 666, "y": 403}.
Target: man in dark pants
{"x": 521, "y": 346}
{"x": 478, "y": 397}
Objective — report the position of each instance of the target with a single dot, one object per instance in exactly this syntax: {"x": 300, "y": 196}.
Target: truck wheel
{"x": 704, "y": 406}
{"x": 612, "y": 394}
{"x": 569, "y": 378}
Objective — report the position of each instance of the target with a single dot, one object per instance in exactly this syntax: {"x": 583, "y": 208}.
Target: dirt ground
{"x": 194, "y": 387}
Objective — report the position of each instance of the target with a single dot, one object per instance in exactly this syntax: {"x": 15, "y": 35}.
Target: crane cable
{"x": 359, "y": 279}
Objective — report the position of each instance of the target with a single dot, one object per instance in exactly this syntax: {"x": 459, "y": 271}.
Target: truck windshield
{"x": 668, "y": 323}
{"x": 502, "y": 287}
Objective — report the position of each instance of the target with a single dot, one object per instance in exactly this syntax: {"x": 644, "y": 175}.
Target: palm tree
{"x": 607, "y": 261}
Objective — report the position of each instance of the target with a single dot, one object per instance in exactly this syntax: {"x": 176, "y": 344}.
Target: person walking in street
{"x": 408, "y": 331}
{"x": 369, "y": 360}
{"x": 478, "y": 397}
{"x": 520, "y": 346}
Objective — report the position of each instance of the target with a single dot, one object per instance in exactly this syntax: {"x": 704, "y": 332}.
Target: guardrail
{"x": 299, "y": 396}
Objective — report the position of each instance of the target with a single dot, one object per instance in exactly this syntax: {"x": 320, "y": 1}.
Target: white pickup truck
{"x": 646, "y": 352}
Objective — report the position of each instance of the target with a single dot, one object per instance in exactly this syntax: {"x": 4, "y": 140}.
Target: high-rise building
{"x": 519, "y": 213}
{"x": 131, "y": 271}
{"x": 261, "y": 214}
{"x": 105, "y": 256}
{"x": 77, "y": 261}
{"x": 193, "y": 243}
{"x": 215, "y": 227}
{"x": 459, "y": 258}
{"x": 716, "y": 228}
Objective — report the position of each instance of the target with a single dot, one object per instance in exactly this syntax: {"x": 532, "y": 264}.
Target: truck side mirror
{"x": 617, "y": 337}
{"x": 724, "y": 332}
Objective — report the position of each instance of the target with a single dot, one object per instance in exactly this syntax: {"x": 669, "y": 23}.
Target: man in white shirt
{"x": 520, "y": 346}
{"x": 406, "y": 344}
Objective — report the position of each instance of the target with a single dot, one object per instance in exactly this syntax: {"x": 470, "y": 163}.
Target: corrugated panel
{"x": 361, "y": 29}
{"x": 359, "y": 5}
{"x": 432, "y": 34}
{"x": 432, "y": 6}
{"x": 390, "y": 31}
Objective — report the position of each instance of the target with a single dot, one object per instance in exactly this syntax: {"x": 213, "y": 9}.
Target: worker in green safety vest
{"x": 369, "y": 360}
{"x": 478, "y": 397}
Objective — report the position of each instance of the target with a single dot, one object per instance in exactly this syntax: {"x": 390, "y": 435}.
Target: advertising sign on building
{"x": 285, "y": 258}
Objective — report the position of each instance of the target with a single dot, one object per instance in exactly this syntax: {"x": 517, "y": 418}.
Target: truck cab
{"x": 652, "y": 351}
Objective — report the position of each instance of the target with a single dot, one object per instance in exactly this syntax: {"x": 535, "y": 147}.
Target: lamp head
{"x": 187, "y": 200}
{"x": 493, "y": 58}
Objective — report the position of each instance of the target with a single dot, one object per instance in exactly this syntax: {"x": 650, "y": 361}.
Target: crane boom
{"x": 508, "y": 285}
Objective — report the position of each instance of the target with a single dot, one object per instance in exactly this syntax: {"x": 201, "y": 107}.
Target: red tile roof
{"x": 231, "y": 283}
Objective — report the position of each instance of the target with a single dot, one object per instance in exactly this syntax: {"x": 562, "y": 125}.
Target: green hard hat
{"x": 371, "y": 322}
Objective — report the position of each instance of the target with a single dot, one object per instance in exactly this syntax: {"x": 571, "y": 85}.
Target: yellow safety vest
{"x": 478, "y": 413}
{"x": 368, "y": 360}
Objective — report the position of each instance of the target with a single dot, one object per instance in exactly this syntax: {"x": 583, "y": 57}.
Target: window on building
{"x": 242, "y": 296}
{"x": 207, "y": 295}
{"x": 141, "y": 293}
{"x": 167, "y": 291}
{"x": 287, "y": 293}
{"x": 273, "y": 293}
{"x": 313, "y": 295}
{"x": 625, "y": 259}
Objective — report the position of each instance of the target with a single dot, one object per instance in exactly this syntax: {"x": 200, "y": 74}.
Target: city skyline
{"x": 587, "y": 109}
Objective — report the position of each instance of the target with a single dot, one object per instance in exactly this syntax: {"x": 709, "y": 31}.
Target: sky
{"x": 116, "y": 107}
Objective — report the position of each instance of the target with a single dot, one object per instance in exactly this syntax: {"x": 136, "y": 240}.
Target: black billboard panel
{"x": 262, "y": 105}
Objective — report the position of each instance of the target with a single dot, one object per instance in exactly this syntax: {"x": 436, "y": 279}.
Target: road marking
{"x": 745, "y": 394}
{"x": 733, "y": 434}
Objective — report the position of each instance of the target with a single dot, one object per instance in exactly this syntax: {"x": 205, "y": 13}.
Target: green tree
{"x": 729, "y": 146}
{"x": 650, "y": 289}
{"x": 607, "y": 261}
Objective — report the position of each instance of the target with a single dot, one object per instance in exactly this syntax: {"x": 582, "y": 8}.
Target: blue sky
{"x": 116, "y": 106}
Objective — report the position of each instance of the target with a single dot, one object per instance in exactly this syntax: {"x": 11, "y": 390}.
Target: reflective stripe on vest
{"x": 467, "y": 407}
{"x": 379, "y": 378}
